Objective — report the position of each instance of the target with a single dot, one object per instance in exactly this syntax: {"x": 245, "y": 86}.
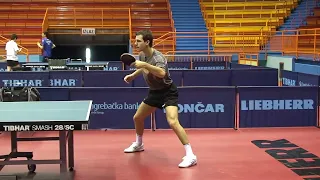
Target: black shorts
{"x": 12, "y": 63}
{"x": 45, "y": 59}
{"x": 163, "y": 98}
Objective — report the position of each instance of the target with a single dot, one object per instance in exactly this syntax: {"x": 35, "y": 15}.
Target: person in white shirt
{"x": 12, "y": 51}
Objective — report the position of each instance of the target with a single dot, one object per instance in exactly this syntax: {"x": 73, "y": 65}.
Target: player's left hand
{"x": 139, "y": 64}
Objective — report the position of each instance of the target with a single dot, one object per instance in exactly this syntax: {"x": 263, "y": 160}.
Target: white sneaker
{"x": 135, "y": 147}
{"x": 188, "y": 161}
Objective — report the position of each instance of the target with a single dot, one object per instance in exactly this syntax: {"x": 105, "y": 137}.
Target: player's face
{"x": 140, "y": 43}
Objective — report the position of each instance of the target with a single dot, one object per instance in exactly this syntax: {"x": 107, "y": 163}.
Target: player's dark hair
{"x": 146, "y": 35}
{"x": 46, "y": 33}
{"x": 14, "y": 36}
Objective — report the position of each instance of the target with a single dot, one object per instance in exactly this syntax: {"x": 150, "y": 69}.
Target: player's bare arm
{"x": 130, "y": 77}
{"x": 157, "y": 71}
{"x": 39, "y": 45}
{"x": 136, "y": 73}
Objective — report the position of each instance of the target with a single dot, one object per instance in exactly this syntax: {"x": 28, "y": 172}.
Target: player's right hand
{"x": 128, "y": 78}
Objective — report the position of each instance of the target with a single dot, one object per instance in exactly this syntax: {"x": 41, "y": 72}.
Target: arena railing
{"x": 300, "y": 42}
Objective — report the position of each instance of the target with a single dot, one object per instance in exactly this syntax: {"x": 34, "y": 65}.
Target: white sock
{"x": 138, "y": 139}
{"x": 188, "y": 149}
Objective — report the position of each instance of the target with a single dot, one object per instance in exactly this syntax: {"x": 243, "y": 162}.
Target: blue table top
{"x": 69, "y": 64}
{"x": 45, "y": 111}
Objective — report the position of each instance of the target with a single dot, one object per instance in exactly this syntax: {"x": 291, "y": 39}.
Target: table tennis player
{"x": 163, "y": 93}
{"x": 46, "y": 45}
{"x": 12, "y": 51}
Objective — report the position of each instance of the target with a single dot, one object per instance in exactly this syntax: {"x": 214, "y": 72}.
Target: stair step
{"x": 191, "y": 30}
{"x": 186, "y": 29}
{"x": 183, "y": 51}
{"x": 193, "y": 42}
{"x": 186, "y": 10}
{"x": 181, "y": 33}
{"x": 290, "y": 25}
{"x": 187, "y": 18}
{"x": 182, "y": 16}
{"x": 200, "y": 40}
{"x": 186, "y": 15}
{"x": 294, "y": 21}
{"x": 191, "y": 26}
{"x": 184, "y": 4}
{"x": 194, "y": 53}
{"x": 193, "y": 45}
{"x": 286, "y": 27}
{"x": 299, "y": 14}
{"x": 193, "y": 48}
{"x": 190, "y": 23}
{"x": 182, "y": 1}
{"x": 295, "y": 18}
{"x": 286, "y": 33}
{"x": 185, "y": 44}
{"x": 185, "y": 7}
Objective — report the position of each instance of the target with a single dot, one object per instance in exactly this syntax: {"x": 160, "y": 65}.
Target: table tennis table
{"x": 62, "y": 116}
{"x": 70, "y": 66}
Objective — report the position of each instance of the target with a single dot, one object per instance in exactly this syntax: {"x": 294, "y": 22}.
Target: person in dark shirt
{"x": 163, "y": 94}
{"x": 46, "y": 45}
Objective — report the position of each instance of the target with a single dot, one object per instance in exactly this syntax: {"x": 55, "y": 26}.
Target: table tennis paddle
{"x": 127, "y": 59}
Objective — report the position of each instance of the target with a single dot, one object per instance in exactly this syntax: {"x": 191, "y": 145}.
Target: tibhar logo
{"x": 291, "y": 82}
{"x": 199, "y": 108}
{"x": 287, "y": 104}
{"x": 22, "y": 82}
{"x": 38, "y": 82}
{"x": 112, "y": 68}
{"x": 63, "y": 82}
{"x": 288, "y": 82}
{"x": 16, "y": 127}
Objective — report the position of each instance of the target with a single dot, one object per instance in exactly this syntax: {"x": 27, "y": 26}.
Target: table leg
{"x": 63, "y": 154}
{"x": 14, "y": 144}
{"x": 71, "y": 151}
